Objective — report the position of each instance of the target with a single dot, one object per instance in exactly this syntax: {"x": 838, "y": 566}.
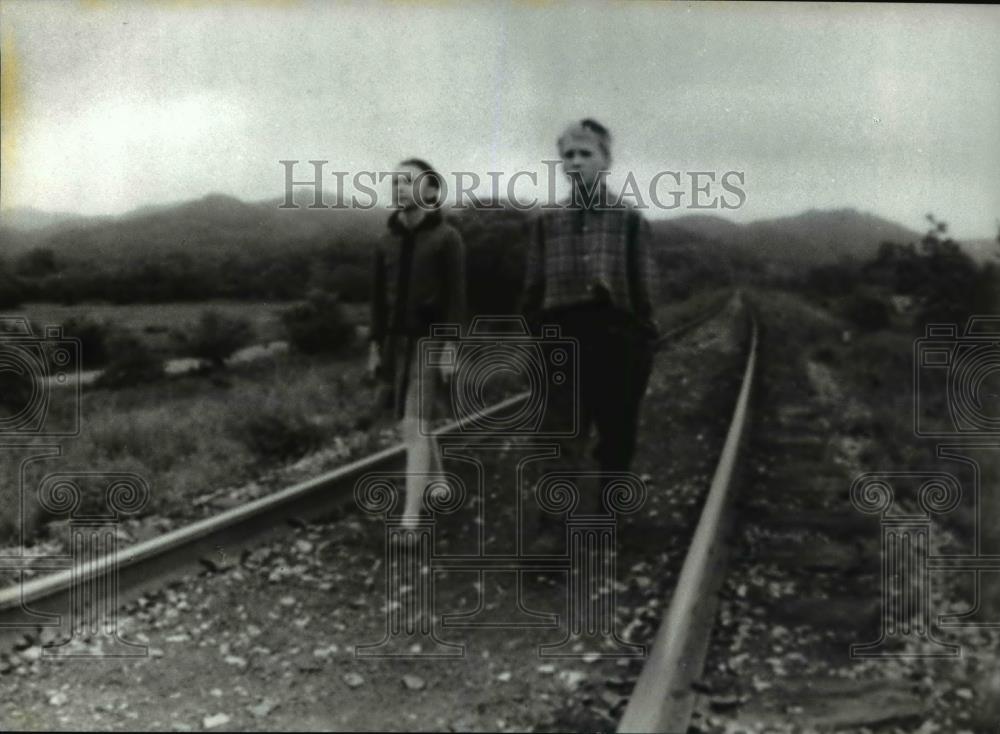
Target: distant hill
{"x": 215, "y": 224}
{"x": 29, "y": 219}
{"x": 811, "y": 238}
{"x": 24, "y": 228}
{"x": 219, "y": 225}
{"x": 707, "y": 227}
{"x": 817, "y": 236}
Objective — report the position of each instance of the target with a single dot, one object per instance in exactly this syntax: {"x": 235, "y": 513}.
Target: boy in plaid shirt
{"x": 590, "y": 270}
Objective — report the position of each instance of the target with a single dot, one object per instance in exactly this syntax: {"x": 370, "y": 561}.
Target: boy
{"x": 590, "y": 270}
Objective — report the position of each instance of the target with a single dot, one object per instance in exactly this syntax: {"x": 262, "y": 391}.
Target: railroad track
{"x": 662, "y": 699}
{"x": 153, "y": 564}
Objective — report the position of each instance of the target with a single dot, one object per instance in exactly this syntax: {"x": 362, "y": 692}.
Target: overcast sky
{"x": 885, "y": 108}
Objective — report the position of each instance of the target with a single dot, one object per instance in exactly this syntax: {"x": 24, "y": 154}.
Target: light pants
{"x": 425, "y": 388}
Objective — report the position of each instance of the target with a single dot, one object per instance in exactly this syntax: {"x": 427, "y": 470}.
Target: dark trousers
{"x": 615, "y": 358}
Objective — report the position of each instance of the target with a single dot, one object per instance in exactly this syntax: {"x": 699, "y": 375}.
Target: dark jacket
{"x": 418, "y": 279}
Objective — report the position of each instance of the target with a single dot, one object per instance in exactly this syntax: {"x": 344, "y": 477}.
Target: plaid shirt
{"x": 578, "y": 255}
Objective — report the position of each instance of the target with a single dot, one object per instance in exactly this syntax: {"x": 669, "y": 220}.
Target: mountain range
{"x": 223, "y": 224}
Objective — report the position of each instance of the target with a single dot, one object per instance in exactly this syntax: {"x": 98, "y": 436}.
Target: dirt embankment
{"x": 806, "y": 585}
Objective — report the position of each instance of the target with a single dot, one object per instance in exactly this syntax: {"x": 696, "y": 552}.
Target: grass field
{"x": 680, "y": 313}
{"x": 198, "y": 434}
{"x": 154, "y": 322}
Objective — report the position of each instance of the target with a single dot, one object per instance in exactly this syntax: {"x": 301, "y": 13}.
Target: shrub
{"x": 94, "y": 339}
{"x": 495, "y": 247}
{"x": 866, "y": 312}
{"x": 826, "y": 355}
{"x": 945, "y": 282}
{"x": 35, "y": 263}
{"x": 12, "y": 290}
{"x": 351, "y": 282}
{"x": 319, "y": 325}
{"x": 131, "y": 362}
{"x": 276, "y": 433}
{"x": 216, "y": 336}
{"x": 831, "y": 280}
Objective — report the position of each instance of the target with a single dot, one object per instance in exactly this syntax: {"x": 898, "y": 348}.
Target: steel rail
{"x": 151, "y": 564}
{"x": 662, "y": 699}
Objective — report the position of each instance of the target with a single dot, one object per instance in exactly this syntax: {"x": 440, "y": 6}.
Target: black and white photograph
{"x": 500, "y": 366}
